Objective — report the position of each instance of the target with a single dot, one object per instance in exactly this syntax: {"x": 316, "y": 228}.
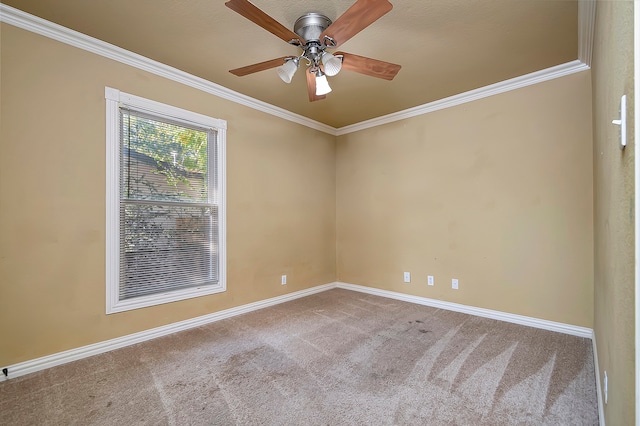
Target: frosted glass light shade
{"x": 322, "y": 85}
{"x": 332, "y": 65}
{"x": 286, "y": 71}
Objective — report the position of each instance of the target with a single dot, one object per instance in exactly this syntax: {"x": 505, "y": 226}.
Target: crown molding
{"x": 586, "y": 25}
{"x": 40, "y": 26}
{"x": 472, "y": 95}
{"x": 586, "y": 19}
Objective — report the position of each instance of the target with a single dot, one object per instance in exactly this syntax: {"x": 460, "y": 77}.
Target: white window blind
{"x": 168, "y": 215}
{"x": 165, "y": 203}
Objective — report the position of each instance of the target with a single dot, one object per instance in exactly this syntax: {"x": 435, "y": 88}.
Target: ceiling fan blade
{"x": 358, "y": 17}
{"x": 252, "y": 13}
{"x": 311, "y": 87}
{"x": 368, "y": 66}
{"x": 250, "y": 69}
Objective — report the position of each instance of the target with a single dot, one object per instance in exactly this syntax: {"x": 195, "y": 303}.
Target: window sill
{"x": 115, "y": 306}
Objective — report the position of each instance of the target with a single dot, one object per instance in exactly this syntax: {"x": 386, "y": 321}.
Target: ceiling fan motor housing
{"x": 311, "y": 25}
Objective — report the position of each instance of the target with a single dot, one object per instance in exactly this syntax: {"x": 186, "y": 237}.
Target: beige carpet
{"x": 334, "y": 358}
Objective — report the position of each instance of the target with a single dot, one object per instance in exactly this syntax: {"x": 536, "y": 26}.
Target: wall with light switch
{"x": 496, "y": 193}
{"x": 612, "y": 74}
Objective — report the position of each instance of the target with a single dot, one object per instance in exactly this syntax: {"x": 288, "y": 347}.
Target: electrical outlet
{"x": 284, "y": 280}
{"x": 430, "y": 280}
{"x": 407, "y": 277}
{"x": 605, "y": 386}
{"x": 454, "y": 283}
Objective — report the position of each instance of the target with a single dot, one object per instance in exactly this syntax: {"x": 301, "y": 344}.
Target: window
{"x": 165, "y": 203}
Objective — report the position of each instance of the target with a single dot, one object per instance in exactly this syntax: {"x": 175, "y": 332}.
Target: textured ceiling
{"x": 445, "y": 47}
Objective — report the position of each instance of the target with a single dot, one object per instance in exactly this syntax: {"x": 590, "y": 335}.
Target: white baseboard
{"x": 31, "y": 366}
{"x": 34, "y": 365}
{"x": 471, "y": 310}
{"x": 598, "y": 385}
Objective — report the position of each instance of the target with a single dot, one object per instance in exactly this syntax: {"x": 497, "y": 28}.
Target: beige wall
{"x": 612, "y": 71}
{"x": 496, "y": 192}
{"x": 281, "y": 199}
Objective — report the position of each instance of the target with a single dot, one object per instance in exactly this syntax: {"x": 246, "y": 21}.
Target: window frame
{"x": 114, "y": 100}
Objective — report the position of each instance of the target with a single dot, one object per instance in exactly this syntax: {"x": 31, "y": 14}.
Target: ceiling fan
{"x": 314, "y": 33}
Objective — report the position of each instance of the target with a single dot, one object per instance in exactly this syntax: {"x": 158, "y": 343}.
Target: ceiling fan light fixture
{"x": 288, "y": 69}
{"x": 332, "y": 64}
{"x": 322, "y": 85}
